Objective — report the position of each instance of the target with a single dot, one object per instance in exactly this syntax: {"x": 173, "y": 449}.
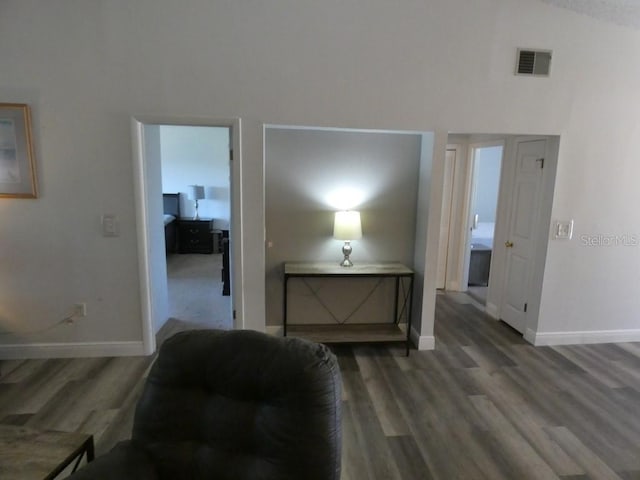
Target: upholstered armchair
{"x": 238, "y": 405}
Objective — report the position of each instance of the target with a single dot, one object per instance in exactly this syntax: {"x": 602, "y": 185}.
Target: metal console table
{"x": 394, "y": 331}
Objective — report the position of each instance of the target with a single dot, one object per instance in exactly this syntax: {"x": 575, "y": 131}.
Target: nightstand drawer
{"x": 195, "y": 236}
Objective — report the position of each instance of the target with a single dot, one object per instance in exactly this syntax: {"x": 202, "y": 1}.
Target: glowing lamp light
{"x": 345, "y": 198}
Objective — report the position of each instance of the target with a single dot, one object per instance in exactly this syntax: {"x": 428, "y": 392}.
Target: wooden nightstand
{"x": 195, "y": 236}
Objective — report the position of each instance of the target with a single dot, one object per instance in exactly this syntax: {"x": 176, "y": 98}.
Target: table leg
{"x": 396, "y": 320}
{"x": 284, "y": 307}
{"x": 410, "y": 293}
{"x": 88, "y": 448}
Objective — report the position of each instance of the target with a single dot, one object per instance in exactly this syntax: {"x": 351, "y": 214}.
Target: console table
{"x": 394, "y": 331}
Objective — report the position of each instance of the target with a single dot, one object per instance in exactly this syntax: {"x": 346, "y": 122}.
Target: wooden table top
{"x": 334, "y": 269}
{"x": 28, "y": 454}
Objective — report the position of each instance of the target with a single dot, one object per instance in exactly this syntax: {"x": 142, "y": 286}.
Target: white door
{"x": 523, "y": 220}
{"x": 445, "y": 218}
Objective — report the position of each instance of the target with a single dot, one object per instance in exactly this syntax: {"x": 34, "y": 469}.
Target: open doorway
{"x": 195, "y": 163}
{"x": 513, "y": 237}
{"x": 486, "y": 163}
{"x": 146, "y": 132}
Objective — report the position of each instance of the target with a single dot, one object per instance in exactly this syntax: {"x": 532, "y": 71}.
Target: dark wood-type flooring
{"x": 483, "y": 405}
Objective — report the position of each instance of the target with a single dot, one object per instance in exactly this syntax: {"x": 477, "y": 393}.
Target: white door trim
{"x": 141, "y": 189}
{"x": 445, "y": 254}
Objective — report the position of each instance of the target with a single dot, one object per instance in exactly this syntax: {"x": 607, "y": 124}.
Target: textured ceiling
{"x": 621, "y": 12}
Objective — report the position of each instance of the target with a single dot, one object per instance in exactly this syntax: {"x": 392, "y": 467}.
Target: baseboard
{"x": 579, "y": 338}
{"x": 275, "y": 330}
{"x": 453, "y": 286}
{"x": 72, "y": 350}
{"x": 422, "y": 342}
{"x": 530, "y": 336}
{"x": 491, "y": 310}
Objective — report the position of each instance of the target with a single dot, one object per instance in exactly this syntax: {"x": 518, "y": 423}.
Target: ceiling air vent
{"x": 533, "y": 62}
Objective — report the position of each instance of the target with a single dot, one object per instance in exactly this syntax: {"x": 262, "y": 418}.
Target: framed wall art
{"x": 17, "y": 162}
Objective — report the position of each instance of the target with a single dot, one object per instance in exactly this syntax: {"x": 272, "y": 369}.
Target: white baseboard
{"x": 275, "y": 330}
{"x": 453, "y": 286}
{"x": 422, "y": 342}
{"x": 71, "y": 350}
{"x": 530, "y": 336}
{"x": 491, "y": 310}
{"x": 579, "y": 338}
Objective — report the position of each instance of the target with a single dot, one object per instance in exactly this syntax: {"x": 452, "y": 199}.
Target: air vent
{"x": 533, "y": 62}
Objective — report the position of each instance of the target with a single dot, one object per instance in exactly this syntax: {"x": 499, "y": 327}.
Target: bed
{"x": 171, "y": 203}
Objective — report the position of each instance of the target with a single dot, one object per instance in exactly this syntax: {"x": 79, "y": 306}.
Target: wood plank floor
{"x": 483, "y": 405}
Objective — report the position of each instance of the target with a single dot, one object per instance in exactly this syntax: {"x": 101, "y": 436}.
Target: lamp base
{"x": 346, "y": 263}
{"x": 196, "y": 216}
{"x": 346, "y": 251}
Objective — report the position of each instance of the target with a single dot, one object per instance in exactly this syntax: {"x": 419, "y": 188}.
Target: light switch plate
{"x": 110, "y": 226}
{"x": 563, "y": 230}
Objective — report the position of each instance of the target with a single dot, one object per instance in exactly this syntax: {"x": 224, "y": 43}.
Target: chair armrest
{"x": 125, "y": 461}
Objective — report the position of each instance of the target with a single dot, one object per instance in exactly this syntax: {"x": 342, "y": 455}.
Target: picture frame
{"x": 17, "y": 160}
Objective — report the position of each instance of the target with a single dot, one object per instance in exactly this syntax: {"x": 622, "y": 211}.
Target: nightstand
{"x": 195, "y": 236}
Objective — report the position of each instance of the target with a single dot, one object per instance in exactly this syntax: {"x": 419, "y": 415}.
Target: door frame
{"x": 464, "y": 251}
{"x": 446, "y": 248}
{"x": 462, "y": 196}
{"x": 142, "y": 200}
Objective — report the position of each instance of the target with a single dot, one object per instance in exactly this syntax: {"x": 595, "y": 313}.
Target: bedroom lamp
{"x": 347, "y": 227}
{"x": 196, "y": 192}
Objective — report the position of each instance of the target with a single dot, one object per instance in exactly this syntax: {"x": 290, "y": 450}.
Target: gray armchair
{"x": 233, "y": 405}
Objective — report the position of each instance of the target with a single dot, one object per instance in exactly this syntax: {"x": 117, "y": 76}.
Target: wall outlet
{"x": 79, "y": 310}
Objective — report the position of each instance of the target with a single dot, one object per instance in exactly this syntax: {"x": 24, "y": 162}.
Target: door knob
{"x": 508, "y": 244}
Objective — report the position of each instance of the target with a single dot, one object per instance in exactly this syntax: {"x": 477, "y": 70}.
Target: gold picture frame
{"x": 17, "y": 161}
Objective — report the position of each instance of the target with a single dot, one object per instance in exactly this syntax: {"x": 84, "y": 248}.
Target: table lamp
{"x": 347, "y": 227}
{"x": 196, "y": 192}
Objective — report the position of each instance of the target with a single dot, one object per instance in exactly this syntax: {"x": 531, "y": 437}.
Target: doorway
{"x": 486, "y": 164}
{"x": 195, "y": 166}
{"x": 516, "y": 237}
{"x": 146, "y": 132}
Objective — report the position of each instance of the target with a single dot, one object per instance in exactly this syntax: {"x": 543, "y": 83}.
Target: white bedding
{"x": 168, "y": 219}
{"x": 483, "y": 235}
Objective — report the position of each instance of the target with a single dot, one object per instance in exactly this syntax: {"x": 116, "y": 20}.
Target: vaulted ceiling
{"x": 621, "y": 12}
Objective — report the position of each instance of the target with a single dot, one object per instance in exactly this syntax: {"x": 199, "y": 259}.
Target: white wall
{"x": 197, "y": 155}
{"x": 487, "y": 180}
{"x": 424, "y": 283}
{"x": 87, "y": 67}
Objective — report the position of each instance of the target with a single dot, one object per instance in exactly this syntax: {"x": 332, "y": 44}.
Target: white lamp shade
{"x": 196, "y": 192}
{"x": 347, "y": 225}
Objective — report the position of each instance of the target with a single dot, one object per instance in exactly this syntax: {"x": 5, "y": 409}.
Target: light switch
{"x": 110, "y": 225}
{"x": 563, "y": 229}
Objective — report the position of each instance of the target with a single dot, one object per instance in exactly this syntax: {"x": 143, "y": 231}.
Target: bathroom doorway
{"x": 486, "y": 164}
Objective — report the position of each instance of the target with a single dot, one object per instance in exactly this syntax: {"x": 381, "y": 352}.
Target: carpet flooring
{"x": 195, "y": 290}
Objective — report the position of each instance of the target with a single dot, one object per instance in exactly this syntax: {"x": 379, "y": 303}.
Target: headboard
{"x": 171, "y": 204}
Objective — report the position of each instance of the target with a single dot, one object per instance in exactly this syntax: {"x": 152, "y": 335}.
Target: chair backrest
{"x": 241, "y": 405}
